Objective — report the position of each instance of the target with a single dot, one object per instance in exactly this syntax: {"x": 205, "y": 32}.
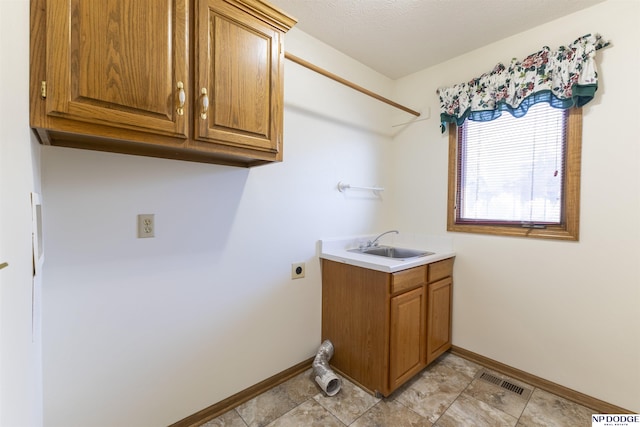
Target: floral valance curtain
{"x": 563, "y": 78}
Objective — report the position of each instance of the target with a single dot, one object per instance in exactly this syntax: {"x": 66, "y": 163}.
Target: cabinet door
{"x": 118, "y": 62}
{"x": 239, "y": 71}
{"x": 407, "y": 336}
{"x": 439, "y": 296}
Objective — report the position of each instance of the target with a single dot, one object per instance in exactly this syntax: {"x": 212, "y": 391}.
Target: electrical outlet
{"x": 146, "y": 226}
{"x": 297, "y": 270}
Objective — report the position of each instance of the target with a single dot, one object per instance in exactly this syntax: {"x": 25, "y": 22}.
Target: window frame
{"x": 568, "y": 229}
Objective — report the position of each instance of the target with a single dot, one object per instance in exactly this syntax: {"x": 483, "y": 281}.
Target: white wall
{"x": 146, "y": 332}
{"x": 20, "y": 343}
{"x": 565, "y": 311}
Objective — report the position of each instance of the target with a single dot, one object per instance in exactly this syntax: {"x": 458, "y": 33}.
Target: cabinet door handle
{"x": 182, "y": 97}
{"x": 3, "y": 265}
{"x": 205, "y": 103}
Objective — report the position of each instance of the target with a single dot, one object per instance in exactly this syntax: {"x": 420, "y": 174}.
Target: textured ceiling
{"x": 400, "y": 37}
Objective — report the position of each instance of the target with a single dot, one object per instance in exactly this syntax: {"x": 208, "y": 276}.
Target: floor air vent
{"x": 505, "y": 384}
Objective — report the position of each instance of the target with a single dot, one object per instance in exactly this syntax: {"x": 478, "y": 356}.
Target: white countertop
{"x": 336, "y": 249}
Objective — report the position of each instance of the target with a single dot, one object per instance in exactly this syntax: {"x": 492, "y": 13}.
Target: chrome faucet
{"x": 374, "y": 242}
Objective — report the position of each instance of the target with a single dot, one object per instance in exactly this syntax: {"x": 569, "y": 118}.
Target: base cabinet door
{"x": 439, "y": 296}
{"x": 407, "y": 336}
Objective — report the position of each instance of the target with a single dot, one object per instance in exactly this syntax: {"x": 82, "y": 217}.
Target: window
{"x": 517, "y": 176}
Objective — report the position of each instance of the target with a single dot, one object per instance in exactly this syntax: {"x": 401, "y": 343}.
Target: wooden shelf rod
{"x": 345, "y": 82}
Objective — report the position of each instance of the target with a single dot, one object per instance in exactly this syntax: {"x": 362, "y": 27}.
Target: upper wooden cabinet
{"x": 117, "y": 63}
{"x": 240, "y": 72}
{"x": 198, "y": 80}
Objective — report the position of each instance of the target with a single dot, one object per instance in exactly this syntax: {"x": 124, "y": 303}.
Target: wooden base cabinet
{"x": 386, "y": 327}
{"x": 198, "y": 80}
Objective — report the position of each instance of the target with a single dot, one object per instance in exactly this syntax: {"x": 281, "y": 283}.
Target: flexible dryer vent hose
{"x": 325, "y": 377}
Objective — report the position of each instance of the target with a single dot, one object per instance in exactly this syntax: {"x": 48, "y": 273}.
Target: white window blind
{"x": 511, "y": 170}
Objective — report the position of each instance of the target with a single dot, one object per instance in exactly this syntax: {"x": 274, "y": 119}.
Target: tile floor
{"x": 445, "y": 394}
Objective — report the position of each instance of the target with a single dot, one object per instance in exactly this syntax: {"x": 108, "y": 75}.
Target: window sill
{"x": 556, "y": 233}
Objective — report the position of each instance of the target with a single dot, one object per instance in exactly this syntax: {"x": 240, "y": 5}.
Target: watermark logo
{"x": 615, "y": 420}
